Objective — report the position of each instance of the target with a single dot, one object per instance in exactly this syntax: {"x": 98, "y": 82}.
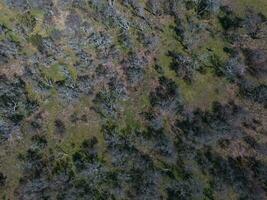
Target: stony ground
{"x": 133, "y": 99}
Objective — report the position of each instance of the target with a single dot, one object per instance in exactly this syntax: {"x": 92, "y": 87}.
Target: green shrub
{"x": 228, "y": 19}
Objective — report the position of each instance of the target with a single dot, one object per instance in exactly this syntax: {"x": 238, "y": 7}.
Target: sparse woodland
{"x": 133, "y": 99}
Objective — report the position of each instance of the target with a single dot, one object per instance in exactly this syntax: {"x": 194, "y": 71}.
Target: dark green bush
{"x": 228, "y": 19}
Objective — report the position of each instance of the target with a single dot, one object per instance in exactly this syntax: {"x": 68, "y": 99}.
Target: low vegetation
{"x": 133, "y": 99}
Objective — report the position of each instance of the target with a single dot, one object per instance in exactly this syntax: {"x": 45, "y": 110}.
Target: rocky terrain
{"x": 133, "y": 99}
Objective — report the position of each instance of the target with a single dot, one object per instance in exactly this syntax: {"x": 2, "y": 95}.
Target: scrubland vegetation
{"x": 133, "y": 99}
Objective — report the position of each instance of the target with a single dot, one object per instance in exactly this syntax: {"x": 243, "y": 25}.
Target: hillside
{"x": 133, "y": 99}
